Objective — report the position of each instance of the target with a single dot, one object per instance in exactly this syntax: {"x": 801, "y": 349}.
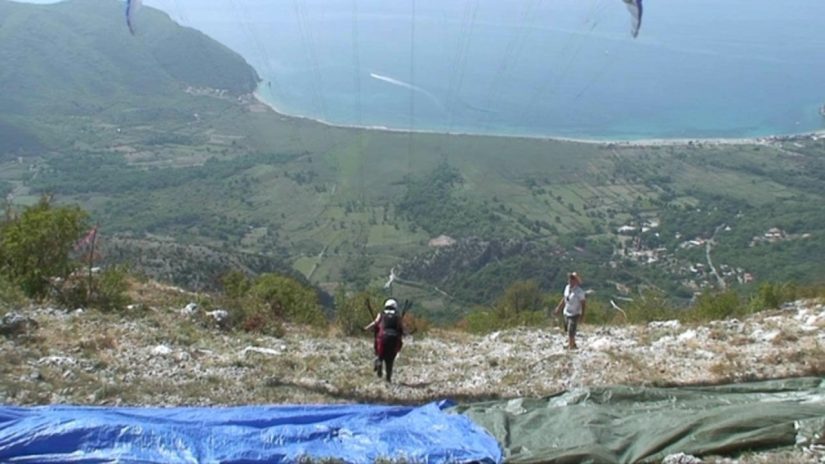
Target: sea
{"x": 554, "y": 68}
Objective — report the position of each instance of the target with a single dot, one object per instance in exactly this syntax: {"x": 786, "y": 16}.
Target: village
{"x": 697, "y": 276}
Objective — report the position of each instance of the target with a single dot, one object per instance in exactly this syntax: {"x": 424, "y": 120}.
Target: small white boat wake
{"x": 408, "y": 86}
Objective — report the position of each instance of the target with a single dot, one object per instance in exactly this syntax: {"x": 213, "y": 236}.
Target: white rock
{"x": 775, "y": 319}
{"x": 665, "y": 324}
{"x": 802, "y": 314}
{"x": 255, "y": 349}
{"x": 161, "y": 350}
{"x": 515, "y": 406}
{"x": 219, "y": 315}
{"x": 681, "y": 458}
{"x": 764, "y": 336}
{"x": 731, "y": 324}
{"x": 705, "y": 354}
{"x": 189, "y": 309}
{"x": 664, "y": 341}
{"x": 57, "y": 361}
{"x": 812, "y": 323}
{"x": 687, "y": 335}
{"x": 600, "y": 344}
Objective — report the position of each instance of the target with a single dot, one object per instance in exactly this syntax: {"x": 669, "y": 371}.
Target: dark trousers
{"x": 386, "y": 349}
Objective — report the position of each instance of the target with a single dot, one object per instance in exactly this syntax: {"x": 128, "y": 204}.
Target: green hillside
{"x": 157, "y": 135}
{"x": 77, "y": 59}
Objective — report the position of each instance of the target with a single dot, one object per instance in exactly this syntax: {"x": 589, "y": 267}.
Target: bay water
{"x": 565, "y": 68}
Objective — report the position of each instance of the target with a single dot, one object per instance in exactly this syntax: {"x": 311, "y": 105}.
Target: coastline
{"x": 653, "y": 142}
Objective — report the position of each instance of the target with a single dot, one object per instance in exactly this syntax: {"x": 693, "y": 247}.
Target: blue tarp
{"x": 251, "y": 434}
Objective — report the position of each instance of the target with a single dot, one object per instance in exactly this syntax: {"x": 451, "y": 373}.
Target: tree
{"x": 284, "y": 298}
{"x": 519, "y": 297}
{"x": 35, "y": 247}
{"x": 521, "y": 305}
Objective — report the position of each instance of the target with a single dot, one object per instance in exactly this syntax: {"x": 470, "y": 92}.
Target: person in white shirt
{"x": 575, "y": 304}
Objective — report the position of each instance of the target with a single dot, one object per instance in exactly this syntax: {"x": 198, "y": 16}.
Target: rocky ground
{"x": 158, "y": 355}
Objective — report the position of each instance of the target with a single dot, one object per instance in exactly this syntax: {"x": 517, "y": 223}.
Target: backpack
{"x": 391, "y": 323}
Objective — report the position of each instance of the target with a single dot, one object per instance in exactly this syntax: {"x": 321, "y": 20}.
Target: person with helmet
{"x": 389, "y": 330}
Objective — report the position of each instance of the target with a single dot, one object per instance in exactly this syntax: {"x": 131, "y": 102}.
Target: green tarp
{"x": 636, "y": 424}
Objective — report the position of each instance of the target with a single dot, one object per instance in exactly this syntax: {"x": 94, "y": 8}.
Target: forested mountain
{"x": 78, "y": 59}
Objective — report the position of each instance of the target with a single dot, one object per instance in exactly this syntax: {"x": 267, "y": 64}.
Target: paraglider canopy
{"x": 635, "y": 8}
{"x": 131, "y": 7}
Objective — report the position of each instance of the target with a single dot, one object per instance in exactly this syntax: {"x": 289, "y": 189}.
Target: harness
{"x": 390, "y": 323}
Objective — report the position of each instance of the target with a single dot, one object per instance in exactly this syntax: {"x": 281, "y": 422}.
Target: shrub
{"x": 651, "y": 305}
{"x": 772, "y": 295}
{"x": 286, "y": 299}
{"x": 416, "y": 325}
{"x": 235, "y": 284}
{"x": 599, "y": 313}
{"x": 352, "y": 314}
{"x": 811, "y": 290}
{"x": 483, "y": 320}
{"x": 105, "y": 290}
{"x": 35, "y": 246}
{"x": 262, "y": 305}
{"x": 522, "y": 304}
{"x": 262, "y": 323}
{"x": 112, "y": 285}
{"x": 480, "y": 321}
{"x": 714, "y": 306}
{"x": 10, "y": 295}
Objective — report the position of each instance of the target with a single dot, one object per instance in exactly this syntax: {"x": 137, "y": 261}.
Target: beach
{"x": 652, "y": 142}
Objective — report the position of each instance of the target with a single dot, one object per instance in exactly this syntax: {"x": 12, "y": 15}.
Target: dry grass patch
{"x": 323, "y": 366}
{"x": 813, "y": 358}
{"x": 11, "y": 358}
{"x": 186, "y": 334}
{"x": 780, "y": 456}
{"x": 632, "y": 366}
{"x": 91, "y": 345}
{"x": 785, "y": 337}
{"x": 718, "y": 334}
{"x": 739, "y": 340}
{"x": 646, "y": 338}
{"x": 109, "y": 393}
{"x": 155, "y": 294}
{"x": 692, "y": 344}
{"x": 725, "y": 368}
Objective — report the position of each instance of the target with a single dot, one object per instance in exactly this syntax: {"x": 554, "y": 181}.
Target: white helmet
{"x": 391, "y": 304}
